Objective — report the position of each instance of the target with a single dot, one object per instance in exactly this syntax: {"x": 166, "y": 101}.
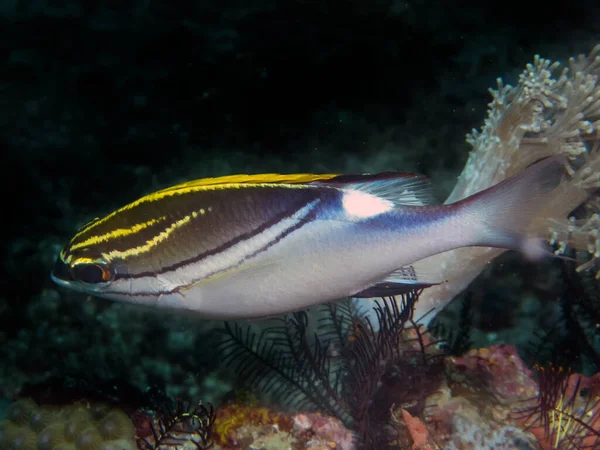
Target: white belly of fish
{"x": 319, "y": 262}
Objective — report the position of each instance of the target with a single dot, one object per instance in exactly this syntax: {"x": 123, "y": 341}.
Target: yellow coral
{"x": 20, "y": 411}
{"x": 120, "y": 445}
{"x": 76, "y": 420}
{"x": 51, "y": 437}
{"x": 116, "y": 425}
{"x": 41, "y": 418}
{"x": 234, "y": 416}
{"x": 98, "y": 410}
{"x": 89, "y": 439}
{"x": 15, "y": 437}
{"x": 75, "y": 427}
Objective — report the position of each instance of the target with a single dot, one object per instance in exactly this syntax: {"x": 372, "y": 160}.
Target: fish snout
{"x": 61, "y": 273}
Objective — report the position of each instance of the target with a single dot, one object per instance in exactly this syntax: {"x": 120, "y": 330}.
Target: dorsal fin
{"x": 400, "y": 188}
{"x": 264, "y": 178}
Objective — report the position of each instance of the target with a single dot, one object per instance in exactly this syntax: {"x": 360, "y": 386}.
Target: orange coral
{"x": 418, "y": 432}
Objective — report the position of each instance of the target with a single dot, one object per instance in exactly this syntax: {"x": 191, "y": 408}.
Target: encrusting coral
{"x": 232, "y": 417}
{"x": 488, "y": 400}
{"x": 29, "y": 426}
{"x": 239, "y": 426}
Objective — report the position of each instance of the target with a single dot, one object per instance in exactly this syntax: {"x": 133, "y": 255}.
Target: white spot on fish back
{"x": 364, "y": 205}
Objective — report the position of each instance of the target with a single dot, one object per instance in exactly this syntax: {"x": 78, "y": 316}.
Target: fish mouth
{"x": 61, "y": 273}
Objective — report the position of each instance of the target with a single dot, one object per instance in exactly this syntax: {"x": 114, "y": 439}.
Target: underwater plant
{"x": 343, "y": 365}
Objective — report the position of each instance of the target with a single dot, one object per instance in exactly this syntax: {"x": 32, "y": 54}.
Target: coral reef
{"x": 234, "y": 423}
{"x": 241, "y": 427}
{"x": 490, "y": 400}
{"x": 29, "y": 426}
{"x": 498, "y": 370}
{"x": 323, "y": 431}
{"x": 485, "y": 399}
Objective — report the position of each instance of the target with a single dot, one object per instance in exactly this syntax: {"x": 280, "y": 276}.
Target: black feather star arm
{"x": 174, "y": 428}
{"x": 584, "y": 302}
{"x": 573, "y": 340}
{"x": 456, "y": 339}
{"x": 373, "y": 350}
{"x": 283, "y": 361}
{"x": 337, "y": 321}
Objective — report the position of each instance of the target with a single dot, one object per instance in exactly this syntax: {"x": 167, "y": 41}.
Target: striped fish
{"x": 258, "y": 245}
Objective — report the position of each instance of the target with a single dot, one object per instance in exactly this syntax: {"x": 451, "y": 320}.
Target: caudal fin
{"x": 508, "y": 215}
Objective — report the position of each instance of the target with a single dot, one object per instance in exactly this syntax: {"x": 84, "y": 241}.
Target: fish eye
{"x": 92, "y": 272}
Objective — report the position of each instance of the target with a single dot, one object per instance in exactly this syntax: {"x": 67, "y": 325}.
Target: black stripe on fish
{"x": 243, "y": 237}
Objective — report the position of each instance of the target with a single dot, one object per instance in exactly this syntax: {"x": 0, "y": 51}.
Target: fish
{"x": 253, "y": 246}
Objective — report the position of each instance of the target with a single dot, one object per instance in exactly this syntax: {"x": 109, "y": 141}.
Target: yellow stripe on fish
{"x": 119, "y": 232}
{"x": 161, "y": 237}
{"x": 265, "y": 178}
{"x": 224, "y": 182}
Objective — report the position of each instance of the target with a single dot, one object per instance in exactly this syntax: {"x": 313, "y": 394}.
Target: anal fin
{"x": 401, "y": 281}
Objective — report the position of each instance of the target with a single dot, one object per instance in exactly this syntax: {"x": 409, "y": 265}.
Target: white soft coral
{"x": 550, "y": 111}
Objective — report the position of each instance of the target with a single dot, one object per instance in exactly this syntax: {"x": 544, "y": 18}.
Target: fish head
{"x": 84, "y": 271}
{"x": 90, "y": 264}
{"x": 93, "y": 272}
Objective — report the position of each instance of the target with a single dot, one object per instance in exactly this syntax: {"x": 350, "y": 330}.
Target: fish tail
{"x": 510, "y": 214}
